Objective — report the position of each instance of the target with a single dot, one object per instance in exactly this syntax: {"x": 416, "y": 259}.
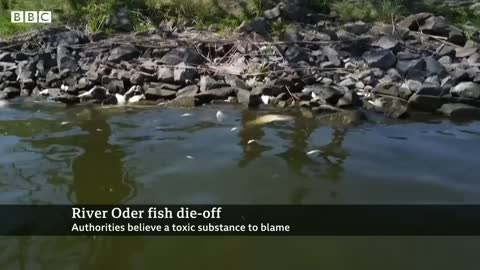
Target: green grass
{"x": 93, "y": 14}
{"x": 368, "y": 10}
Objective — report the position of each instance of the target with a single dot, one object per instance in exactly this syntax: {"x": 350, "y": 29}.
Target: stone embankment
{"x": 420, "y": 64}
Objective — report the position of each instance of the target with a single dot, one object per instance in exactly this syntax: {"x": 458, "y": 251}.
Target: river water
{"x": 53, "y": 155}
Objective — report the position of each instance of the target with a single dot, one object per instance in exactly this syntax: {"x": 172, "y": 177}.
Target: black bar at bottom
{"x": 281, "y": 220}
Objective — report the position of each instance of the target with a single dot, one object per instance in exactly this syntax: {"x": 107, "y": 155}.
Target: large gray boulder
{"x": 466, "y": 90}
{"x": 383, "y": 58}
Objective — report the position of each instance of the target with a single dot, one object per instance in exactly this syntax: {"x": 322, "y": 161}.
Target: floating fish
{"x": 121, "y": 100}
{"x": 265, "y": 99}
{"x": 251, "y": 141}
{"x": 3, "y": 103}
{"x": 190, "y": 157}
{"x": 313, "y": 152}
{"x": 44, "y": 92}
{"x": 136, "y": 98}
{"x": 220, "y": 116}
{"x": 265, "y": 119}
{"x": 233, "y": 129}
{"x": 64, "y": 123}
{"x": 186, "y": 115}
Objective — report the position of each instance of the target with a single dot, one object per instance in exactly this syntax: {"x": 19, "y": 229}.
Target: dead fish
{"x": 3, "y": 103}
{"x": 233, "y": 129}
{"x": 190, "y": 157}
{"x": 313, "y": 152}
{"x": 186, "y": 115}
{"x": 265, "y": 99}
{"x": 220, "y": 116}
{"x": 44, "y": 92}
{"x": 64, "y": 123}
{"x": 251, "y": 141}
{"x": 136, "y": 98}
{"x": 121, "y": 100}
{"x": 265, "y": 119}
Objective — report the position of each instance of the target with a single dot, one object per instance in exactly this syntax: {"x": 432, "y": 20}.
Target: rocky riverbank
{"x": 419, "y": 64}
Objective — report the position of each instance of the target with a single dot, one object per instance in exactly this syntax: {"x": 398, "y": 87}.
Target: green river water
{"x": 53, "y": 155}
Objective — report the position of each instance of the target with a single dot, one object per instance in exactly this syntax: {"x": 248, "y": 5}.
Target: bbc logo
{"x": 31, "y": 16}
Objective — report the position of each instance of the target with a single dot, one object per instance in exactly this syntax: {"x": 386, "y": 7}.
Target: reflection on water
{"x": 95, "y": 156}
{"x": 106, "y": 182}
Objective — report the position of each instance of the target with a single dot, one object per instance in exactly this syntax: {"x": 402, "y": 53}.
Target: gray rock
{"x": 183, "y": 74}
{"x": 183, "y": 102}
{"x": 472, "y": 72}
{"x": 413, "y": 22}
{"x": 383, "y": 59}
{"x": 436, "y": 26}
{"x": 11, "y": 92}
{"x": 433, "y": 67}
{"x": 425, "y": 103}
{"x": 460, "y": 74}
{"x": 236, "y": 82}
{"x": 217, "y": 93}
{"x": 188, "y": 91}
{"x": 138, "y": 78}
{"x": 189, "y": 56}
{"x": 445, "y": 51}
{"x": 349, "y": 83}
{"x": 6, "y": 57}
{"x": 159, "y": 93}
{"x": 394, "y": 75}
{"x": 116, "y": 86}
{"x": 386, "y": 88}
{"x": 407, "y": 56}
{"x": 430, "y": 89}
{"x": 466, "y": 90}
{"x": 456, "y": 36}
{"x": 350, "y": 98}
{"x": 445, "y": 60}
{"x": 405, "y": 66}
{"x": 332, "y": 55}
{"x": 462, "y": 52}
{"x": 394, "y": 107}
{"x": 460, "y": 111}
{"x": 123, "y": 53}
{"x": 165, "y": 74}
{"x": 296, "y": 54}
{"x": 472, "y": 59}
{"x": 404, "y": 91}
{"x": 388, "y": 42}
{"x": 207, "y": 83}
{"x": 328, "y": 93}
{"x": 65, "y": 60}
{"x": 357, "y": 28}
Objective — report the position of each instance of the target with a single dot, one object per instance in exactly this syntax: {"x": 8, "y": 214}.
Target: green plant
{"x": 368, "y": 10}
{"x": 255, "y": 7}
{"x": 97, "y": 14}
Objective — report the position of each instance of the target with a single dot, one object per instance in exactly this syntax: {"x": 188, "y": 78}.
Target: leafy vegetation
{"x": 368, "y": 10}
{"x": 94, "y": 15}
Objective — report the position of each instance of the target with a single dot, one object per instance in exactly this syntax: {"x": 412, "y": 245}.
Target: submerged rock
{"x": 460, "y": 111}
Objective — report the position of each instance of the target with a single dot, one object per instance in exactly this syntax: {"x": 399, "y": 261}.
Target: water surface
{"x": 53, "y": 155}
